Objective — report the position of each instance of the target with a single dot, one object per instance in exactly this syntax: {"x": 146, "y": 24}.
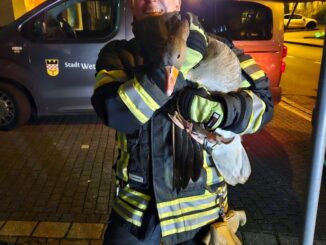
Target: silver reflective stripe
{"x": 127, "y": 212}
{"x": 154, "y": 91}
{"x": 252, "y": 69}
{"x": 136, "y": 99}
{"x": 136, "y": 178}
{"x": 189, "y": 222}
{"x": 182, "y": 205}
{"x": 258, "y": 109}
{"x": 133, "y": 199}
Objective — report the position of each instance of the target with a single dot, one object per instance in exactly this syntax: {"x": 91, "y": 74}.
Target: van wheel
{"x": 15, "y": 108}
{"x": 311, "y": 25}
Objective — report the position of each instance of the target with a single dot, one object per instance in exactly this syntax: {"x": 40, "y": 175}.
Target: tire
{"x": 15, "y": 108}
{"x": 311, "y": 25}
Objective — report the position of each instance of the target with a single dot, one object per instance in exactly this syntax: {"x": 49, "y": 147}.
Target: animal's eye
{"x": 178, "y": 56}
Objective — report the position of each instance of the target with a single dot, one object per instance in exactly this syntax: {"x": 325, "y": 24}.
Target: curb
{"x": 305, "y": 44}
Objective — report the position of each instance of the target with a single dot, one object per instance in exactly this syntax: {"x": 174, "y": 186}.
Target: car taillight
{"x": 283, "y": 65}
{"x": 284, "y": 54}
{"x": 284, "y": 51}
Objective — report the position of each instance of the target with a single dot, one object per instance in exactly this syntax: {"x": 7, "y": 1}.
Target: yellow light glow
{"x": 30, "y": 4}
{"x": 21, "y": 7}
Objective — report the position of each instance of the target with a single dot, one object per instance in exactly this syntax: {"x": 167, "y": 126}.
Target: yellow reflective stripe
{"x": 136, "y": 193}
{"x": 129, "y": 208}
{"x": 114, "y": 74}
{"x": 245, "y": 84}
{"x": 105, "y": 77}
{"x": 193, "y": 57}
{"x": 197, "y": 28}
{"x": 188, "y": 217}
{"x": 206, "y": 195}
{"x": 258, "y": 74}
{"x": 187, "y": 210}
{"x": 123, "y": 160}
{"x": 131, "y": 106}
{"x": 122, "y": 141}
{"x": 258, "y": 111}
{"x": 118, "y": 136}
{"x": 145, "y": 96}
{"x": 184, "y": 207}
{"x": 133, "y": 202}
{"x": 209, "y": 172}
{"x": 125, "y": 216}
{"x": 122, "y": 165}
{"x": 191, "y": 227}
{"x": 210, "y": 176}
{"x": 200, "y": 30}
{"x": 247, "y": 63}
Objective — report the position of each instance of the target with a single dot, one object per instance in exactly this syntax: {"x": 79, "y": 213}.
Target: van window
{"x": 234, "y": 20}
{"x": 78, "y": 19}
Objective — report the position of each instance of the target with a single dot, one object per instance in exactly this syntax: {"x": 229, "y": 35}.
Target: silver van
{"x": 47, "y": 56}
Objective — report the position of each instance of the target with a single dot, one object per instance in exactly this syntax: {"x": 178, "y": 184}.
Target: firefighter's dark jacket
{"x": 130, "y": 99}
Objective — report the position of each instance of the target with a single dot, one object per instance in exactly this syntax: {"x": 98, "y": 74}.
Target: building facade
{"x": 13, "y": 9}
{"x": 308, "y": 9}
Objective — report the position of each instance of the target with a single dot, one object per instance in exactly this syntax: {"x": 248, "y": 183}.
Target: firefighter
{"x": 130, "y": 96}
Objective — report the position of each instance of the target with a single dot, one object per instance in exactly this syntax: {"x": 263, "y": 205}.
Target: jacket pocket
{"x": 139, "y": 167}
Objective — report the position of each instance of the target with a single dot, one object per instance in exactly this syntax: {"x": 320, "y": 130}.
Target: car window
{"x": 236, "y": 20}
{"x": 296, "y": 16}
{"x": 74, "y": 20}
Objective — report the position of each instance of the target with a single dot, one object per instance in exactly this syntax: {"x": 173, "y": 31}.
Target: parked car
{"x": 47, "y": 56}
{"x": 299, "y": 21}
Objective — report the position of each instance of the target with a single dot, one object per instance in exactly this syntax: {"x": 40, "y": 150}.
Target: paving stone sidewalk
{"x": 56, "y": 182}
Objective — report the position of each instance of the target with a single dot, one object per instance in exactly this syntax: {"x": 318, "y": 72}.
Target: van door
{"x": 65, "y": 40}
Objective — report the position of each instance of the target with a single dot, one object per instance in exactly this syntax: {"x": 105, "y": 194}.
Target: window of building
{"x": 74, "y": 20}
{"x": 235, "y": 20}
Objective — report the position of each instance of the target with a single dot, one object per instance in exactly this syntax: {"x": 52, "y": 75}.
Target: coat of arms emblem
{"x": 52, "y": 67}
